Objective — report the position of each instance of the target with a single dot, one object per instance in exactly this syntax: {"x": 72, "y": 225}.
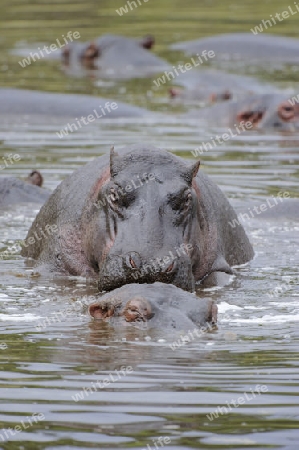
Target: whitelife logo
{"x": 86, "y": 120}
{"x": 53, "y": 48}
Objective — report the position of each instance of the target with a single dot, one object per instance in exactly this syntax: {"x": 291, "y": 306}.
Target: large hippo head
{"x": 141, "y": 219}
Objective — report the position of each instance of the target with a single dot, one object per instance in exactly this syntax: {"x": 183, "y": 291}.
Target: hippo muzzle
{"x": 130, "y": 268}
{"x": 137, "y": 309}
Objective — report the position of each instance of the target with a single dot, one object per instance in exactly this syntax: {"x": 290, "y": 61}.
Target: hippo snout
{"x": 131, "y": 268}
{"x": 133, "y": 262}
{"x": 136, "y": 309}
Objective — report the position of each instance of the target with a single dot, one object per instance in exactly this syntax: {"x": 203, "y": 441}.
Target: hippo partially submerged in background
{"x": 14, "y": 191}
{"x": 246, "y": 47}
{"x": 268, "y": 111}
{"x": 209, "y": 86}
{"x": 112, "y": 56}
{"x": 16, "y": 103}
{"x": 155, "y": 305}
{"x": 140, "y": 214}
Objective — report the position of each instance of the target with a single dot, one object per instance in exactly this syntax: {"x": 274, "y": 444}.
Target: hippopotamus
{"x": 155, "y": 305}
{"x": 210, "y": 86}
{"x": 259, "y": 112}
{"x": 40, "y": 105}
{"x": 14, "y": 191}
{"x": 246, "y": 47}
{"x": 140, "y": 214}
{"x": 112, "y": 56}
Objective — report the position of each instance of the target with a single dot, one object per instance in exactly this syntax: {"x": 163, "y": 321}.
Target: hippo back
{"x": 14, "y": 191}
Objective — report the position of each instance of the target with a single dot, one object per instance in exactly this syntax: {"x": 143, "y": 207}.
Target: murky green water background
{"x": 44, "y": 366}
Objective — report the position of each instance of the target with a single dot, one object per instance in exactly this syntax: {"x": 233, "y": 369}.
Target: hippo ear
{"x": 147, "y": 42}
{"x": 98, "y": 311}
{"x": 66, "y": 54}
{"x": 115, "y": 162}
{"x": 191, "y": 172}
{"x": 92, "y": 51}
{"x": 35, "y": 178}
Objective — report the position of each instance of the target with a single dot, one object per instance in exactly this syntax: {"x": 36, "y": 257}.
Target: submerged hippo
{"x": 14, "y": 191}
{"x": 19, "y": 103}
{"x": 140, "y": 215}
{"x": 112, "y": 56}
{"x": 155, "y": 305}
{"x": 268, "y": 111}
{"x": 209, "y": 86}
{"x": 247, "y": 47}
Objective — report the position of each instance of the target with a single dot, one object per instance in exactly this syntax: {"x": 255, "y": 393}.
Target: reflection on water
{"x": 56, "y": 364}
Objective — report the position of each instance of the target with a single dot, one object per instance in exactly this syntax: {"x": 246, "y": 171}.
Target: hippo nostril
{"x": 133, "y": 260}
{"x": 170, "y": 268}
{"x": 138, "y": 310}
{"x": 132, "y": 263}
{"x": 251, "y": 116}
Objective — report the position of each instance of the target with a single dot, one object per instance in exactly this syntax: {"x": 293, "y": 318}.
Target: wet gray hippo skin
{"x": 172, "y": 227}
{"x": 209, "y": 86}
{"x": 18, "y": 102}
{"x": 113, "y": 56}
{"x": 14, "y": 191}
{"x": 268, "y": 111}
{"x": 246, "y": 47}
{"x": 155, "y": 305}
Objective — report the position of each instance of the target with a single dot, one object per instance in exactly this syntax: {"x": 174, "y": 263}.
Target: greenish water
{"x": 170, "y": 21}
{"x": 168, "y": 393}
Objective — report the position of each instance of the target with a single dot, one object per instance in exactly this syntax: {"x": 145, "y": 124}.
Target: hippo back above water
{"x": 26, "y": 103}
{"x": 14, "y": 191}
{"x": 140, "y": 215}
{"x": 249, "y": 48}
{"x": 210, "y": 85}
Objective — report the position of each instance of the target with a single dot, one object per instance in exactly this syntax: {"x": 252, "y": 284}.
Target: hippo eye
{"x": 286, "y": 111}
{"x": 188, "y": 200}
{"x": 113, "y": 196}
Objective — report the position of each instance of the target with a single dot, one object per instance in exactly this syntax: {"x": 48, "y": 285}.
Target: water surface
{"x": 45, "y": 365}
